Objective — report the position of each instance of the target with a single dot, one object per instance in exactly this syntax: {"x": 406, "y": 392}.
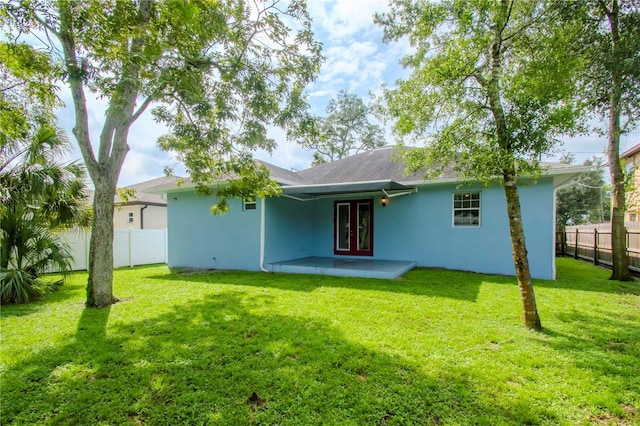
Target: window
{"x": 249, "y": 204}
{"x": 130, "y": 217}
{"x": 466, "y": 209}
{"x": 630, "y": 167}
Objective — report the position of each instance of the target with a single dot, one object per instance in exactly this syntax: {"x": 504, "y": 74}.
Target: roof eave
{"x": 630, "y": 152}
{"x": 560, "y": 176}
{"x": 572, "y": 171}
{"x": 186, "y": 187}
{"x": 139, "y": 202}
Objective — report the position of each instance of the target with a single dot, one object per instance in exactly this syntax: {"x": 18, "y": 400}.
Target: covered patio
{"x": 344, "y": 267}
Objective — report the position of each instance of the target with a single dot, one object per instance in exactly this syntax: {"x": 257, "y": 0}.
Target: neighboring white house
{"x": 142, "y": 210}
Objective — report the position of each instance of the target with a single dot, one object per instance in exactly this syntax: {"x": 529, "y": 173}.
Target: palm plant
{"x": 39, "y": 197}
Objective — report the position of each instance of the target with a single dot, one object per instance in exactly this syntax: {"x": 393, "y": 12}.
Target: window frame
{"x": 130, "y": 217}
{"x": 247, "y": 203}
{"x": 455, "y": 209}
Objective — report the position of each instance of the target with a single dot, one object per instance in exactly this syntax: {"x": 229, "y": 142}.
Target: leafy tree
{"x": 344, "y": 131}
{"x": 27, "y": 93}
{"x": 38, "y": 194}
{"x": 39, "y": 197}
{"x": 587, "y": 200}
{"x": 490, "y": 90}
{"x": 220, "y": 73}
{"x": 610, "y": 45}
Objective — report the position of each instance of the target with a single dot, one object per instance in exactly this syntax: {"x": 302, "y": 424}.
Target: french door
{"x": 353, "y": 227}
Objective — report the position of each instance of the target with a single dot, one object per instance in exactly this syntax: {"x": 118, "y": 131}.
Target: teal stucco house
{"x": 363, "y": 216}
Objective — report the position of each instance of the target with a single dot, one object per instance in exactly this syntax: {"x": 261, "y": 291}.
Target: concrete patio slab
{"x": 344, "y": 267}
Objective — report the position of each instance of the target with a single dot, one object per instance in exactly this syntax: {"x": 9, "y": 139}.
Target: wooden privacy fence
{"x": 593, "y": 243}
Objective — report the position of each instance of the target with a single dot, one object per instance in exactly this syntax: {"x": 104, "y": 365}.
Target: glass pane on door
{"x": 343, "y": 230}
{"x": 364, "y": 226}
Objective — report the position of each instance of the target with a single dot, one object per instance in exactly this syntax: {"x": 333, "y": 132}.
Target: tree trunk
{"x": 113, "y": 147}
{"x": 618, "y": 238}
{"x": 99, "y": 285}
{"x": 519, "y": 249}
{"x": 523, "y": 274}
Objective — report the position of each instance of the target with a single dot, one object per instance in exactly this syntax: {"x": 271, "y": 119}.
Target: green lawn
{"x": 233, "y": 348}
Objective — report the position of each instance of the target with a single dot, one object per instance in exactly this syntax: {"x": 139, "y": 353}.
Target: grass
{"x": 435, "y": 347}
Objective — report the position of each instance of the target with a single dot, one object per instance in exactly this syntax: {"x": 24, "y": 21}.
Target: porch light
{"x": 384, "y": 201}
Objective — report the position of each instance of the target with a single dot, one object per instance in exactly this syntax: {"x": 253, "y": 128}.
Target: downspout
{"x": 555, "y": 234}
{"x": 262, "y": 235}
{"x": 142, "y": 216}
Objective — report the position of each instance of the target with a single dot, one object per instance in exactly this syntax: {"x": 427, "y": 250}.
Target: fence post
{"x": 87, "y": 241}
{"x": 563, "y": 246}
{"x": 575, "y": 253}
{"x": 595, "y": 246}
{"x": 626, "y": 246}
{"x": 130, "y": 251}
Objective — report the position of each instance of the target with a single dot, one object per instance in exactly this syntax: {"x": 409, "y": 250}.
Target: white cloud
{"x": 288, "y": 155}
{"x": 343, "y": 18}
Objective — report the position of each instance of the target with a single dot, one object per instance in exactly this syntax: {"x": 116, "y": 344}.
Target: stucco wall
{"x": 289, "y": 229}
{"x": 155, "y": 217}
{"x": 414, "y": 227}
{"x": 419, "y": 227}
{"x": 199, "y": 239}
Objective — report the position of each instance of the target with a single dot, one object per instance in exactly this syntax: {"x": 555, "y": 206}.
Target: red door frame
{"x": 353, "y": 236}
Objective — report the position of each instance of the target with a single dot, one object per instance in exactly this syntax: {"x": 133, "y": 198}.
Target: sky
{"x": 356, "y": 60}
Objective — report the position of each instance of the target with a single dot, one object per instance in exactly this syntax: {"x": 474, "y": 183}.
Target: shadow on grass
{"x": 67, "y": 291}
{"x": 418, "y": 282}
{"x": 217, "y": 362}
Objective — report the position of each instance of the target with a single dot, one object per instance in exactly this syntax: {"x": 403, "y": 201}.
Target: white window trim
{"x": 251, "y": 201}
{"x": 453, "y": 209}
{"x": 130, "y": 217}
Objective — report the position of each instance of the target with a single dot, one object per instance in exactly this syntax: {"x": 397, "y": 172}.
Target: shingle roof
{"x": 377, "y": 164}
{"x": 382, "y": 164}
{"x": 142, "y": 197}
{"x": 284, "y": 176}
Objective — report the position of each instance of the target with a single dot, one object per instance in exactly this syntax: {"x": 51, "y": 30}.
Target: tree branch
{"x": 141, "y": 109}
{"x": 604, "y": 7}
{"x": 113, "y": 144}
{"x": 526, "y": 25}
{"x": 507, "y": 18}
{"x": 81, "y": 128}
{"x": 477, "y": 74}
{"x": 45, "y": 24}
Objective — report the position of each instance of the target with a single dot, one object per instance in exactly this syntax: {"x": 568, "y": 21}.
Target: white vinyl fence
{"x": 130, "y": 247}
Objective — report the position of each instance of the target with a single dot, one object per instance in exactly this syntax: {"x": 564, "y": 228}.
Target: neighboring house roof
{"x": 379, "y": 167}
{"x": 631, "y": 151}
{"x": 142, "y": 197}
